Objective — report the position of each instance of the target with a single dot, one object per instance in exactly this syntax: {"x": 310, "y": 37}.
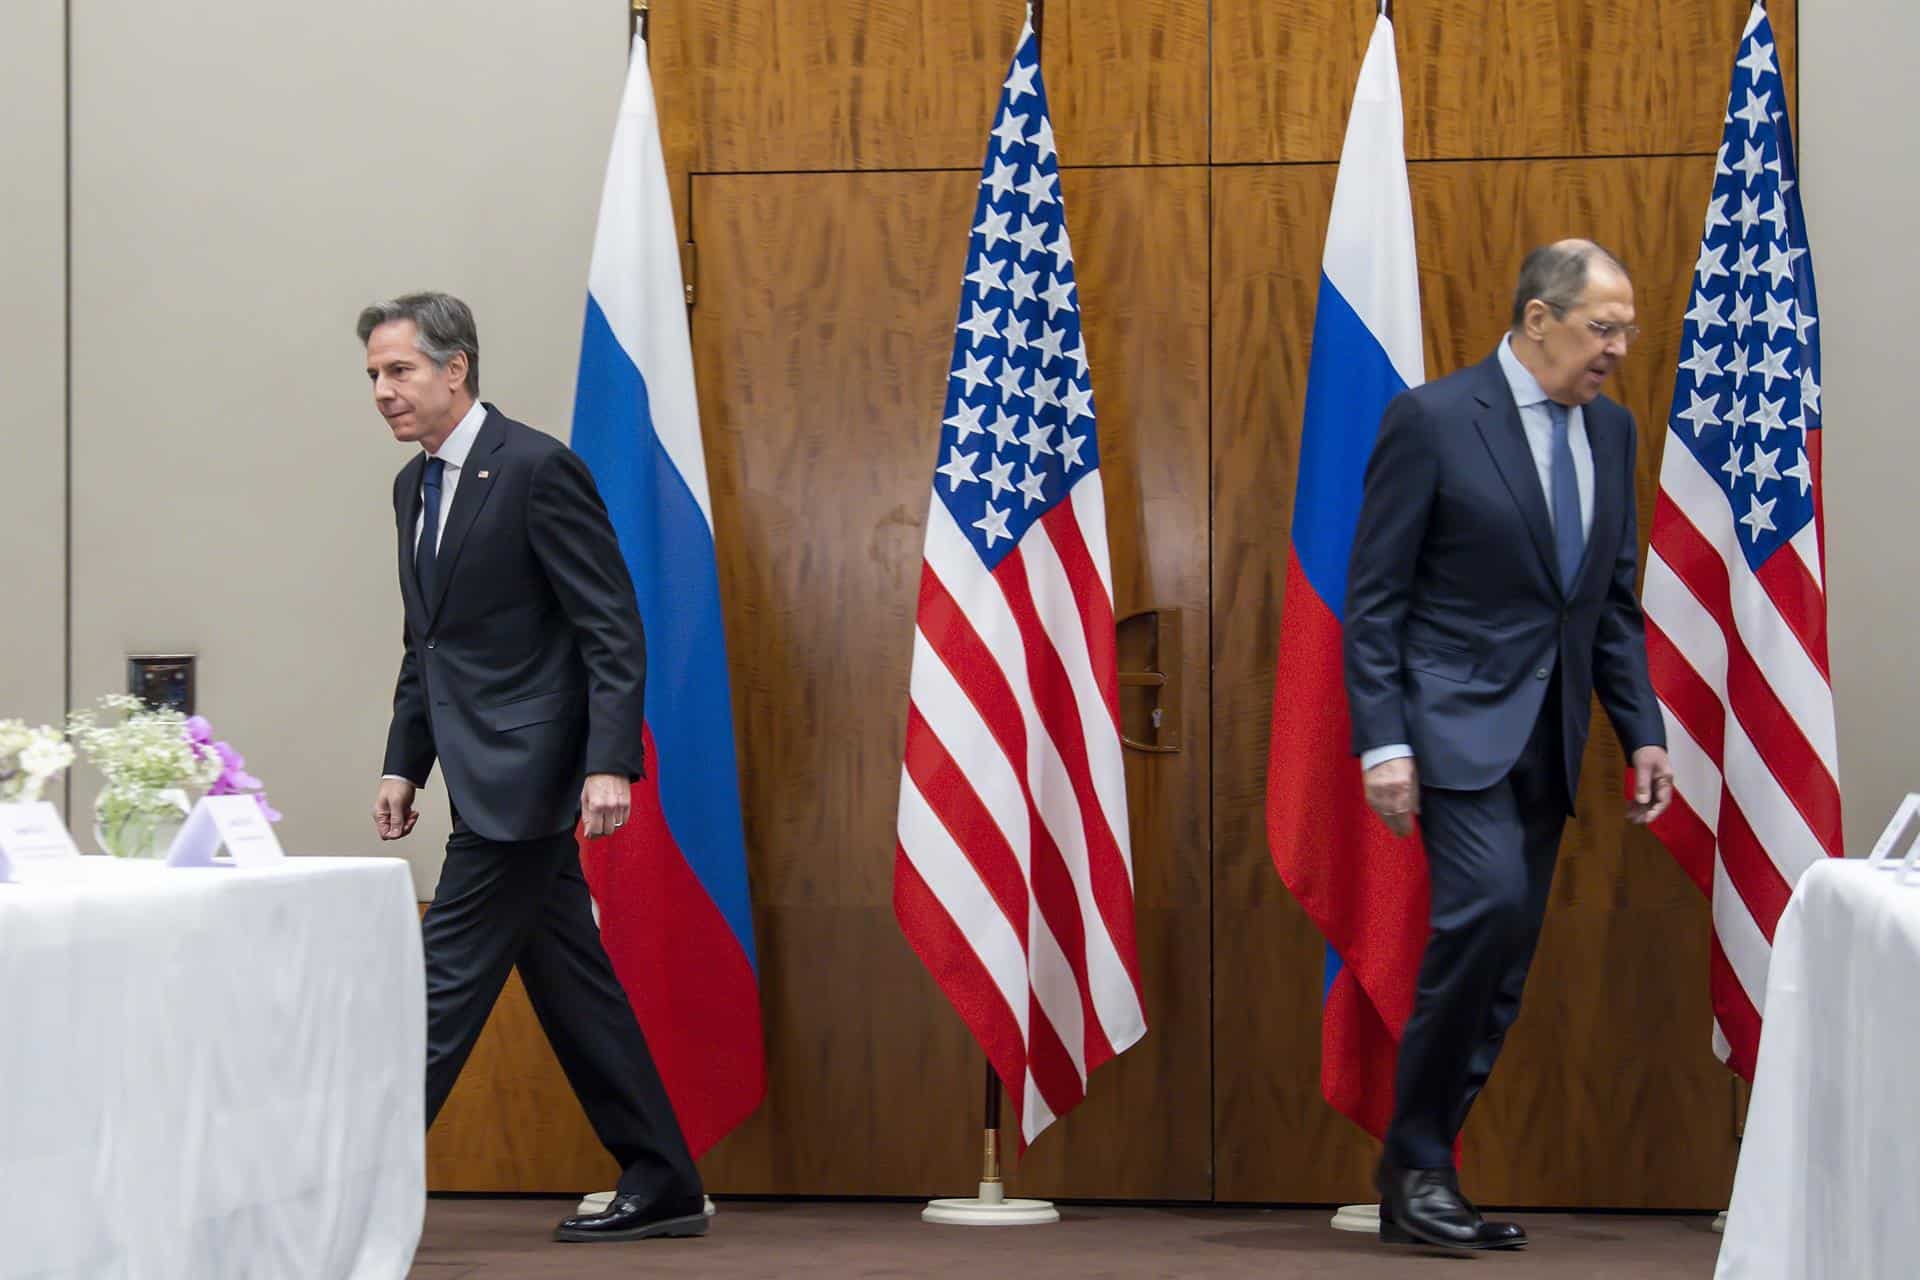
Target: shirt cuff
{"x": 399, "y": 777}
{"x": 1380, "y": 755}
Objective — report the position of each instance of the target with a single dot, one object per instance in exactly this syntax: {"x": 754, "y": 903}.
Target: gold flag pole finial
{"x": 637, "y": 20}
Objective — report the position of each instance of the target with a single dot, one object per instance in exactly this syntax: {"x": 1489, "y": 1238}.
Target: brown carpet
{"x": 498, "y": 1239}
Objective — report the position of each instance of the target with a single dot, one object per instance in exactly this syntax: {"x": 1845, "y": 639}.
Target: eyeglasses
{"x": 1607, "y": 331}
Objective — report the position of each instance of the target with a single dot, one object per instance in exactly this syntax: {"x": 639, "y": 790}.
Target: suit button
{"x": 429, "y": 644}
{"x": 1541, "y": 674}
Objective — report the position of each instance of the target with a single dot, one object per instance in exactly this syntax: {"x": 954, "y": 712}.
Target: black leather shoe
{"x": 1492, "y": 1235}
{"x": 637, "y": 1218}
{"x": 1424, "y": 1206}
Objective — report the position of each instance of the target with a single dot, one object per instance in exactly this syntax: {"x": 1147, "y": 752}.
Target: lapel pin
{"x": 483, "y": 475}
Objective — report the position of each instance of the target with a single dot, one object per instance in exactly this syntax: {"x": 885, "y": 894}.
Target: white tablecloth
{"x": 1830, "y": 1166}
{"x": 212, "y": 1074}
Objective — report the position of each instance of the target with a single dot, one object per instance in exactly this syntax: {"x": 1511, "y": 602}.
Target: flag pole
{"x": 637, "y": 21}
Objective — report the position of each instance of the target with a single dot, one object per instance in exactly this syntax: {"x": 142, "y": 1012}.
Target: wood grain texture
{"x": 1608, "y": 1093}
{"x": 1482, "y": 80}
{"x": 750, "y": 86}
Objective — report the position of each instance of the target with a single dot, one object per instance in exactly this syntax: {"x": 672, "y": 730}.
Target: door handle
{"x": 1147, "y": 642}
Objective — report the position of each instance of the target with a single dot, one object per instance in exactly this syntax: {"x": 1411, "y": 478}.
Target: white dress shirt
{"x": 453, "y": 452}
{"x": 1537, "y": 422}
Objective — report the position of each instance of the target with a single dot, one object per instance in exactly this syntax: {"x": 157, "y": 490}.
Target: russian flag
{"x": 1365, "y": 889}
{"x": 670, "y": 886}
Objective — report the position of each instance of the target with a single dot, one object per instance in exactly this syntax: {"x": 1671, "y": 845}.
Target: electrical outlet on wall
{"x": 162, "y": 680}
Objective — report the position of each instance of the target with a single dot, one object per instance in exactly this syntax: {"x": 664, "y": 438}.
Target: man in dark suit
{"x": 522, "y": 676}
{"x": 1490, "y": 595}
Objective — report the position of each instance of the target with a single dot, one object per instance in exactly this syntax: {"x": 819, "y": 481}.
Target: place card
{"x": 33, "y": 839}
{"x": 1897, "y": 827}
{"x": 233, "y": 821}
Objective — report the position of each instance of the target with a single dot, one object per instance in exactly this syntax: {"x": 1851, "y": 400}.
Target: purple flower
{"x": 234, "y": 778}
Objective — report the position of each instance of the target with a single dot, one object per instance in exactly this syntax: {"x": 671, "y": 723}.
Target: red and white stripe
{"x": 1013, "y": 877}
{"x": 1739, "y": 661}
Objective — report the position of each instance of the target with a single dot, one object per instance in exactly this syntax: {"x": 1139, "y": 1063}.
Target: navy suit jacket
{"x": 526, "y": 670}
{"x": 1455, "y": 615}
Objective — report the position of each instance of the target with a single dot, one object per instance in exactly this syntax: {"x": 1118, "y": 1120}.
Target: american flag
{"x": 1735, "y": 590}
{"x": 1013, "y": 876}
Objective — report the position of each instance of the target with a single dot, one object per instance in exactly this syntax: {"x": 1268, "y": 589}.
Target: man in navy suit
{"x": 1490, "y": 595}
{"x": 523, "y": 678}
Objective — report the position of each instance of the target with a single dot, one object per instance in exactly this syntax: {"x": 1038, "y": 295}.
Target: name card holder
{"x": 1897, "y": 827}
{"x": 233, "y": 821}
{"x": 35, "y": 844}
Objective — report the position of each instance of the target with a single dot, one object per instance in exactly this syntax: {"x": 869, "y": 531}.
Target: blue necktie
{"x": 1569, "y": 539}
{"x": 427, "y": 550}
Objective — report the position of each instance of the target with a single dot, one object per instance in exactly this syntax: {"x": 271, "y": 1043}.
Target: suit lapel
{"x": 406, "y": 510}
{"x": 1498, "y": 423}
{"x": 476, "y": 482}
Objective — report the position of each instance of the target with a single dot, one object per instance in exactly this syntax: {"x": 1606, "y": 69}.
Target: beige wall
{"x": 32, "y": 359}
{"x": 1857, "y": 148}
{"x": 246, "y": 174}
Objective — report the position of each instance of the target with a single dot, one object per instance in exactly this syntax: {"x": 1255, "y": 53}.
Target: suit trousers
{"x": 1490, "y": 859}
{"x": 501, "y": 905}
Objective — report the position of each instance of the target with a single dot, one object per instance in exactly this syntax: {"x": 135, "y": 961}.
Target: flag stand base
{"x": 597, "y": 1202}
{"x": 990, "y": 1209}
{"x": 1358, "y": 1217}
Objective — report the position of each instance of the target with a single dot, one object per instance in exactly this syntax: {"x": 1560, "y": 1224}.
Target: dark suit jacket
{"x": 526, "y": 671}
{"x": 1455, "y": 615}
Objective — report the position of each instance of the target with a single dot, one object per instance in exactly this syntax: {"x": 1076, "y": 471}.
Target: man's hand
{"x": 393, "y": 814}
{"x": 1393, "y": 792}
{"x": 1652, "y": 785}
{"x": 604, "y": 803}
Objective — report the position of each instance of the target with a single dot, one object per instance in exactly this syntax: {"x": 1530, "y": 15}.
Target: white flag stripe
{"x": 1089, "y": 500}
{"x": 953, "y": 561}
{"x": 944, "y": 868}
{"x": 1037, "y": 1115}
{"x": 957, "y": 723}
{"x": 1746, "y": 946}
{"x": 1782, "y": 659}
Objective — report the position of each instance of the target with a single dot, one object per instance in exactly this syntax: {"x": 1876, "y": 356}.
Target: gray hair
{"x": 443, "y": 325}
{"x": 1556, "y": 274}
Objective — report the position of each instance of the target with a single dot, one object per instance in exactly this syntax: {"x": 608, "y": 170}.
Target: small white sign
{"x": 233, "y": 821}
{"x": 32, "y": 839}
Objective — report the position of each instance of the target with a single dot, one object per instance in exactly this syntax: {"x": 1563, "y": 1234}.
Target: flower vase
{"x": 139, "y": 826}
